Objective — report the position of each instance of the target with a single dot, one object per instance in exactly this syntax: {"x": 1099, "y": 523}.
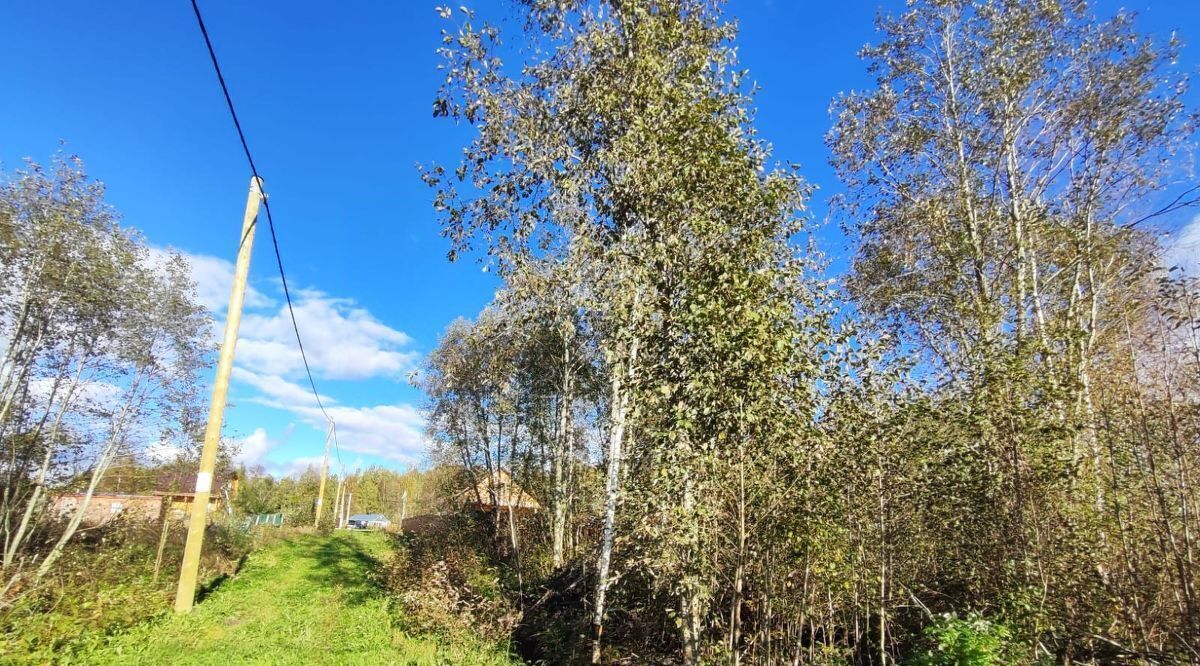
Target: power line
{"x": 266, "y": 202}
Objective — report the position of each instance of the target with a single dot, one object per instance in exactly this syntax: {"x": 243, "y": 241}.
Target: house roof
{"x": 498, "y": 489}
{"x": 104, "y": 495}
{"x": 212, "y": 497}
{"x": 370, "y": 517}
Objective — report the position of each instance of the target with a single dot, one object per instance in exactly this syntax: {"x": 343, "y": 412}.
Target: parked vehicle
{"x": 368, "y": 521}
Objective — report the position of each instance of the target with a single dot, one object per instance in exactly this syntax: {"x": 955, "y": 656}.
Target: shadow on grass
{"x": 211, "y": 586}
{"x": 343, "y": 562}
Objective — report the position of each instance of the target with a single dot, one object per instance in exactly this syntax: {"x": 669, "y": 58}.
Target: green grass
{"x": 306, "y": 600}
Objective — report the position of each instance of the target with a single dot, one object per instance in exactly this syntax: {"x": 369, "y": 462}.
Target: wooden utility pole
{"x": 337, "y": 513}
{"x": 344, "y": 505}
{"x": 324, "y": 473}
{"x": 189, "y": 572}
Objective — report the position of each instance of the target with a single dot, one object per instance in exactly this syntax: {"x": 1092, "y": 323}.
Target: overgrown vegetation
{"x": 106, "y": 583}
{"x": 969, "y": 641}
{"x": 980, "y": 450}
{"x": 112, "y": 580}
{"x": 447, "y": 586}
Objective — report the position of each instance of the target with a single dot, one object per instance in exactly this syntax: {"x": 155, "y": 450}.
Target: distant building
{"x": 179, "y": 505}
{"x": 368, "y": 521}
{"x": 106, "y": 506}
{"x": 151, "y": 506}
{"x": 498, "y": 490}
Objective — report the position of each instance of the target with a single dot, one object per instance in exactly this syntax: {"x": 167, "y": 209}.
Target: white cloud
{"x": 97, "y": 393}
{"x": 214, "y": 280}
{"x": 253, "y": 447}
{"x": 393, "y": 432}
{"x": 342, "y": 339}
{"x": 1184, "y": 249}
{"x": 161, "y": 451}
{"x": 278, "y": 389}
{"x": 295, "y": 467}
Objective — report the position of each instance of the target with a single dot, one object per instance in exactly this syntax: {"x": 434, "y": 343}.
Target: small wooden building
{"x": 106, "y": 506}
{"x": 498, "y": 490}
{"x": 179, "y": 505}
{"x": 151, "y": 506}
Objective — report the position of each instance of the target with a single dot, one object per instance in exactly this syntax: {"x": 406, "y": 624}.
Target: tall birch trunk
{"x": 739, "y": 576}
{"x": 562, "y": 448}
{"x": 39, "y": 485}
{"x": 618, "y": 411}
{"x": 102, "y": 465}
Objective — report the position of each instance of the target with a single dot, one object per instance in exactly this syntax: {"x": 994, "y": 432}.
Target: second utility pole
{"x": 190, "y": 570}
{"x": 324, "y": 472}
{"x": 337, "y": 503}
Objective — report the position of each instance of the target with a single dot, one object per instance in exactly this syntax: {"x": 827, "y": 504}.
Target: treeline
{"x": 978, "y": 447}
{"x": 373, "y": 490}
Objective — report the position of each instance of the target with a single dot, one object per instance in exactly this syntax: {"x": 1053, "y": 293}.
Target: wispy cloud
{"x": 343, "y": 340}
{"x": 1183, "y": 250}
{"x": 162, "y": 451}
{"x": 253, "y": 447}
{"x": 295, "y": 467}
{"x": 214, "y": 280}
{"x": 279, "y": 390}
{"x": 393, "y": 432}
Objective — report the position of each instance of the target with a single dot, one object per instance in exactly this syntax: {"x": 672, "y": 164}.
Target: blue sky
{"x": 336, "y": 100}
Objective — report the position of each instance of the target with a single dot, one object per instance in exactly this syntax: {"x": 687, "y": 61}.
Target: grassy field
{"x": 309, "y": 599}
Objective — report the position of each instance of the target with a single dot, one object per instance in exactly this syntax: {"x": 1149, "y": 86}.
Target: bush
{"x": 446, "y": 585}
{"x": 105, "y": 583}
{"x": 969, "y": 641}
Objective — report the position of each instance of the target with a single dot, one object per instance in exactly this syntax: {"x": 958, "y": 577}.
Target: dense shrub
{"x": 446, "y": 585}
{"x": 967, "y": 641}
{"x": 105, "y": 583}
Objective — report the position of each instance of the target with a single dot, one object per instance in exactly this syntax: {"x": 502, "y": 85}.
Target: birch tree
{"x": 1003, "y": 175}
{"x": 627, "y": 139}
{"x": 997, "y": 423}
{"x": 103, "y": 343}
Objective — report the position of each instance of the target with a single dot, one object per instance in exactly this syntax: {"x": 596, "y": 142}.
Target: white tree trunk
{"x": 618, "y": 410}
{"x": 102, "y": 464}
{"x": 562, "y": 448}
{"x": 40, "y": 484}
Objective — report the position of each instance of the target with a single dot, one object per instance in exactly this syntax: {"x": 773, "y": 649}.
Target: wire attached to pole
{"x": 212, "y": 54}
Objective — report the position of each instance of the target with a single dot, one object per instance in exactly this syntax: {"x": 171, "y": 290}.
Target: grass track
{"x": 306, "y": 600}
